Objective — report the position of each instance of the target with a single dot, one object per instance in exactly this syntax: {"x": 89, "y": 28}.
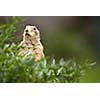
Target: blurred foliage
{"x": 7, "y": 30}
{"x": 92, "y": 76}
{"x": 67, "y": 45}
{"x": 15, "y": 68}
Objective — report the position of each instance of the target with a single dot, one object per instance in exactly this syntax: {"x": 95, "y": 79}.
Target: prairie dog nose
{"x": 26, "y": 31}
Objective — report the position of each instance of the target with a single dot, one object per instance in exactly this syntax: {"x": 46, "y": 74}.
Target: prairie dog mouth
{"x": 27, "y": 34}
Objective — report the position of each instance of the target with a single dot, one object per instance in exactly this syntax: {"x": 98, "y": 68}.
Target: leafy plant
{"x": 16, "y": 68}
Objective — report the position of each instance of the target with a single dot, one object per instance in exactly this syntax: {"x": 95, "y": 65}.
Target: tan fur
{"x": 31, "y": 43}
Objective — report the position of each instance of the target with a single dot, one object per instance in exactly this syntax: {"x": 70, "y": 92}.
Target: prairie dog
{"x": 31, "y": 43}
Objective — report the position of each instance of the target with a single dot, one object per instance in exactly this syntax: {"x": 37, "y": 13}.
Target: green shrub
{"x": 15, "y": 68}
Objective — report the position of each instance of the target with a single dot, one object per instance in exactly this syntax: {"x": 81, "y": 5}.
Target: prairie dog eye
{"x": 34, "y": 28}
{"x": 26, "y": 31}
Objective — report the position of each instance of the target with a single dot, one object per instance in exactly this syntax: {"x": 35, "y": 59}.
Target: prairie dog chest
{"x": 26, "y": 49}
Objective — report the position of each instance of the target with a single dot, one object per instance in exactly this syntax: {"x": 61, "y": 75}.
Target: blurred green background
{"x": 68, "y": 37}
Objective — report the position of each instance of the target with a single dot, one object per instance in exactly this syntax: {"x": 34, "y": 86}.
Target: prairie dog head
{"x": 31, "y": 32}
